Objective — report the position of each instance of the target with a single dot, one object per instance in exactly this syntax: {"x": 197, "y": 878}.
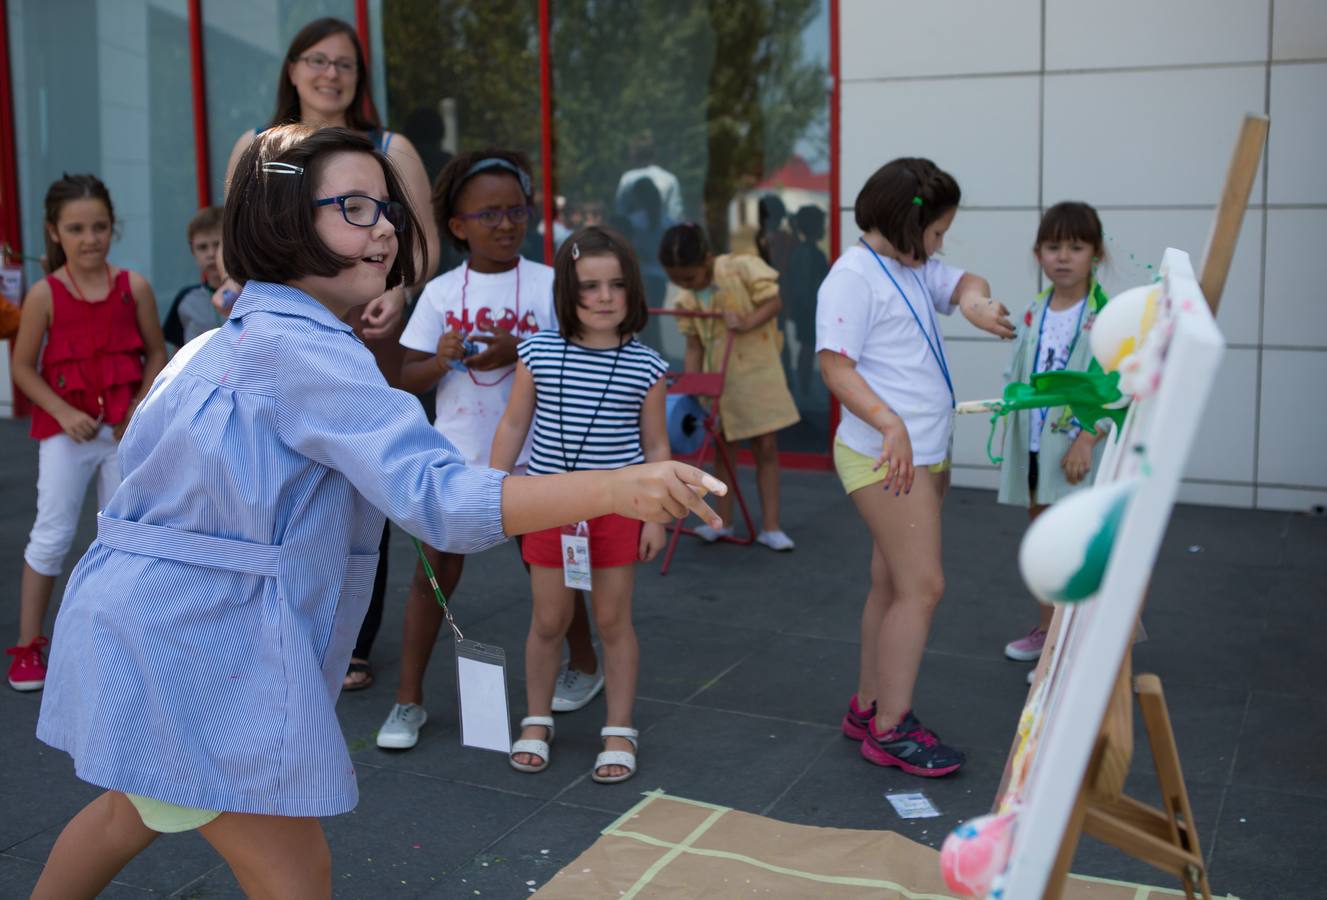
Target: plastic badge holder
{"x": 481, "y": 688}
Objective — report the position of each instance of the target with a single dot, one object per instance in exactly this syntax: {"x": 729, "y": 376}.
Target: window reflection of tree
{"x": 722, "y": 86}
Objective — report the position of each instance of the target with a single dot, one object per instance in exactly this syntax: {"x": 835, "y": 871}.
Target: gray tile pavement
{"x": 747, "y": 660}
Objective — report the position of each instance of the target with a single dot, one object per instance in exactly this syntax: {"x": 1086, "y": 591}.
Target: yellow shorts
{"x": 856, "y": 470}
{"x": 168, "y": 818}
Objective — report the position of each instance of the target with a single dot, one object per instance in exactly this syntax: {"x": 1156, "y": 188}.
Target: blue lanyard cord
{"x": 1041, "y": 331}
{"x": 936, "y": 347}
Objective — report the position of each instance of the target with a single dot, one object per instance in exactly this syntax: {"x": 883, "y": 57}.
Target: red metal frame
{"x": 835, "y": 171}
{"x": 362, "y": 26}
{"x": 198, "y": 74}
{"x": 11, "y": 232}
{"x": 546, "y": 122}
{"x": 10, "y": 225}
{"x": 710, "y": 386}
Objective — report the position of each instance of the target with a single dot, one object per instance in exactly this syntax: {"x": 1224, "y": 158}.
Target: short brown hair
{"x": 595, "y": 240}
{"x": 206, "y": 219}
{"x": 269, "y": 232}
{"x": 1072, "y": 220}
{"x": 902, "y": 199}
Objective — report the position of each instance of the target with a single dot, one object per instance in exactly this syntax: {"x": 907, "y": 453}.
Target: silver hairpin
{"x": 575, "y": 250}
{"x": 280, "y": 168}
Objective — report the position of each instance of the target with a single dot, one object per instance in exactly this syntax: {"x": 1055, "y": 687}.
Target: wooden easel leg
{"x": 1175, "y": 796}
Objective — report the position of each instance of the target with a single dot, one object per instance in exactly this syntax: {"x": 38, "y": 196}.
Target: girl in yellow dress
{"x": 755, "y": 402}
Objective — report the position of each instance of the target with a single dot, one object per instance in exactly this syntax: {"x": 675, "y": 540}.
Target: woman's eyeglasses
{"x": 318, "y": 63}
{"x": 364, "y": 212}
{"x": 492, "y": 218}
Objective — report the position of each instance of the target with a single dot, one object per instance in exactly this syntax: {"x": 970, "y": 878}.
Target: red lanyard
{"x": 465, "y": 286}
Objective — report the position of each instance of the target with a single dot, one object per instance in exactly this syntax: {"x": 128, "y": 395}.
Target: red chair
{"x": 708, "y": 386}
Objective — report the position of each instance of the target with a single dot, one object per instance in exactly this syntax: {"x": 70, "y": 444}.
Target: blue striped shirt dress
{"x": 202, "y": 640}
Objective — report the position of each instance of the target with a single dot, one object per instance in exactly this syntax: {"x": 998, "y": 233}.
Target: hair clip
{"x": 575, "y": 250}
{"x": 281, "y": 168}
{"x": 916, "y": 201}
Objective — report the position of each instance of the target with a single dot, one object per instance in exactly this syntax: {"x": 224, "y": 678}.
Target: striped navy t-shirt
{"x": 587, "y": 402}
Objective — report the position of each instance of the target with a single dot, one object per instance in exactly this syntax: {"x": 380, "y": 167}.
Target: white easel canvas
{"x": 1065, "y": 717}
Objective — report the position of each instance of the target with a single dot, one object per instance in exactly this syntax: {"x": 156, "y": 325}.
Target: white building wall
{"x": 1132, "y": 106}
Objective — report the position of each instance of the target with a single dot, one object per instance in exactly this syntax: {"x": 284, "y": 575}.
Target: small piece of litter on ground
{"x": 1195, "y": 548}
{"x": 545, "y": 852}
{"x": 530, "y": 882}
{"x": 414, "y": 846}
{"x": 585, "y": 870}
{"x": 1243, "y": 819}
{"x": 912, "y": 805}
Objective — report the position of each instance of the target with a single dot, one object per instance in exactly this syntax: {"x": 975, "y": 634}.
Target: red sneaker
{"x": 27, "y": 672}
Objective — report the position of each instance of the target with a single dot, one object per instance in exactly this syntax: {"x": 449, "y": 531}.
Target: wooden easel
{"x": 1165, "y": 838}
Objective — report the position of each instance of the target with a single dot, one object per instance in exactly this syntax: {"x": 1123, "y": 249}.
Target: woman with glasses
{"x": 323, "y": 83}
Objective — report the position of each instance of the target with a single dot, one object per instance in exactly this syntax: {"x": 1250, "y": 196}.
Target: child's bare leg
{"x": 34, "y": 599}
{"x": 878, "y": 600}
{"x": 423, "y": 618}
{"x": 613, "y": 588}
{"x": 765, "y": 448}
{"x": 549, "y": 617}
{"x": 273, "y": 857}
{"x": 580, "y": 644}
{"x": 93, "y": 848}
{"x": 906, "y": 531}
{"x": 723, "y": 505}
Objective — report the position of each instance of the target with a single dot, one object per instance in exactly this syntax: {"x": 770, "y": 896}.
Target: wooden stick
{"x": 1230, "y": 211}
{"x": 978, "y": 406}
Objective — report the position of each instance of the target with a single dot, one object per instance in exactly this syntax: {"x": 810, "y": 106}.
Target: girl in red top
{"x": 103, "y": 348}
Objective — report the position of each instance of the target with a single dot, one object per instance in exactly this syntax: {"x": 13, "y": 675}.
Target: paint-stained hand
{"x": 989, "y": 315}
{"x": 664, "y": 491}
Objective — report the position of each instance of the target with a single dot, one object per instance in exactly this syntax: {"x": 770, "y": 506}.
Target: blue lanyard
{"x": 937, "y": 346}
{"x": 1041, "y": 331}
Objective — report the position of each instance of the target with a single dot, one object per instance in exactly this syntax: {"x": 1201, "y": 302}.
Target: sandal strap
{"x": 615, "y": 758}
{"x": 546, "y": 721}
{"x": 531, "y": 745}
{"x": 630, "y": 734}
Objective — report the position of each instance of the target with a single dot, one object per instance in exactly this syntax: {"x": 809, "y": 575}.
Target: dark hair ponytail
{"x": 66, "y": 189}
{"x": 684, "y": 246}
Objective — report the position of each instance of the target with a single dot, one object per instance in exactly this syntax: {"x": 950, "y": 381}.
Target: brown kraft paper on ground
{"x": 670, "y": 847}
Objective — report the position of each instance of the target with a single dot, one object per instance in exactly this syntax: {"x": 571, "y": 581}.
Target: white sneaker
{"x": 401, "y": 730}
{"x": 775, "y": 540}
{"x": 709, "y": 535}
{"x": 576, "y": 688}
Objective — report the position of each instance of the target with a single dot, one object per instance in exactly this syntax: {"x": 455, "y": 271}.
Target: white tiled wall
{"x": 1134, "y": 107}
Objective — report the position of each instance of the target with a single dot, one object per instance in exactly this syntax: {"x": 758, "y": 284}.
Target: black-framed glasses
{"x": 364, "y": 212}
{"x": 318, "y": 63}
{"x": 492, "y": 218}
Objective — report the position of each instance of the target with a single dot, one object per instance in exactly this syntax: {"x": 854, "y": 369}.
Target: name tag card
{"x": 481, "y": 685}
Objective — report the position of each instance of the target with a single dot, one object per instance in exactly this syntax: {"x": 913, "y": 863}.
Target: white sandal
{"x": 532, "y": 746}
{"x": 616, "y": 757}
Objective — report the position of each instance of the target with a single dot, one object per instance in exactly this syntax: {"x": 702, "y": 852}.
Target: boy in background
{"x": 191, "y": 312}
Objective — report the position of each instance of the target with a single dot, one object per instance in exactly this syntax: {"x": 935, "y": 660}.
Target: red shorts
{"x": 614, "y": 541}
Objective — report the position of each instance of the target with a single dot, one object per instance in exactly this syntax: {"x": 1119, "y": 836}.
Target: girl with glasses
{"x": 201, "y": 644}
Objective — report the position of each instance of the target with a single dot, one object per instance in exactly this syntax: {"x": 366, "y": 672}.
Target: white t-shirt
{"x": 470, "y": 404}
{"x": 860, "y": 314}
{"x": 1058, "y": 329}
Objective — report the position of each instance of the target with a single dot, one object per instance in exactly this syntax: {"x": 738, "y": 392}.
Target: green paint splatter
{"x": 1086, "y": 581}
